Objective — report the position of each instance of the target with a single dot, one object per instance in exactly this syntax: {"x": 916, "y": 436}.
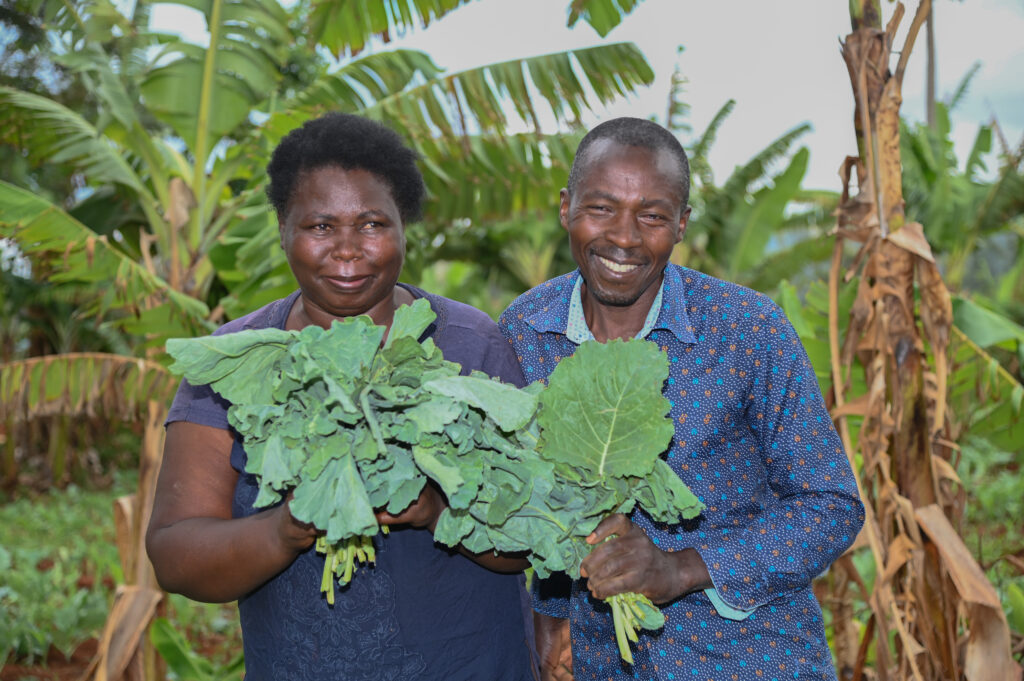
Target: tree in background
{"x": 927, "y": 589}
{"x": 166, "y": 229}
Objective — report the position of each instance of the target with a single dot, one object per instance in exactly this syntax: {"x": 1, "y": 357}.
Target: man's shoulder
{"x": 699, "y": 288}
{"x": 557, "y": 289}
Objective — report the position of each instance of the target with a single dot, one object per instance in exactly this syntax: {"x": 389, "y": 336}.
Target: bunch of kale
{"x": 347, "y": 425}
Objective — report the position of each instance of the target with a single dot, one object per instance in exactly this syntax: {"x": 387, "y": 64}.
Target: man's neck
{"x": 608, "y": 322}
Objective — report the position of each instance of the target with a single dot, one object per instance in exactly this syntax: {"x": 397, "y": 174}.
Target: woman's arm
{"x": 196, "y": 547}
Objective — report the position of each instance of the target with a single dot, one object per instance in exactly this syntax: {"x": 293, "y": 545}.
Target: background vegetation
{"x": 131, "y": 211}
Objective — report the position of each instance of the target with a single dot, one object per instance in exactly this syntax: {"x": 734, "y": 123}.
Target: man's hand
{"x": 422, "y": 513}
{"x": 630, "y": 562}
{"x": 554, "y": 646}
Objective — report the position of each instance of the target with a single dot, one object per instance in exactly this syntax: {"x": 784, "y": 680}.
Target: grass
{"x": 59, "y": 567}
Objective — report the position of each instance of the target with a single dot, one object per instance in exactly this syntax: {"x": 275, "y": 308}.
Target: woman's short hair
{"x": 349, "y": 142}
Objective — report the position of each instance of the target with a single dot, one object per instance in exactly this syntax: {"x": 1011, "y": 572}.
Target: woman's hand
{"x": 425, "y": 512}
{"x": 294, "y": 535}
{"x": 554, "y": 647}
{"x": 422, "y": 513}
{"x": 630, "y": 562}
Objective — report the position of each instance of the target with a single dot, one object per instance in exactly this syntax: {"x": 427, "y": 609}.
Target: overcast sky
{"x": 779, "y": 60}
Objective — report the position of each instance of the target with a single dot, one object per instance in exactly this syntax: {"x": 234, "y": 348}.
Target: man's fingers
{"x": 616, "y": 584}
{"x": 616, "y": 524}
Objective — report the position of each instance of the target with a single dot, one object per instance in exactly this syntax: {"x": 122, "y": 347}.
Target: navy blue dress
{"x": 422, "y": 611}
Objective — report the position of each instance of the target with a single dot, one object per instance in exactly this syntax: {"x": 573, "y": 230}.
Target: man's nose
{"x": 625, "y": 230}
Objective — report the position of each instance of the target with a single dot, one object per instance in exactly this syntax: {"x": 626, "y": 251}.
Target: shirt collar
{"x": 563, "y": 300}
{"x": 576, "y": 328}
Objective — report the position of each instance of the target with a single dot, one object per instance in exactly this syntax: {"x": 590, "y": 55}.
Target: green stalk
{"x": 620, "y": 628}
{"x": 340, "y": 560}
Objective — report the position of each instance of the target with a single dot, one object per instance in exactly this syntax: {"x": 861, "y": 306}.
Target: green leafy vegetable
{"x": 603, "y": 414}
{"x": 349, "y": 424}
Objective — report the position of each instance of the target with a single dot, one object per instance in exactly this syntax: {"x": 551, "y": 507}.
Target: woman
{"x": 343, "y": 188}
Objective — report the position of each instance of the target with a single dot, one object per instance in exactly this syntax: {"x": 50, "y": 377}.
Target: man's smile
{"x": 619, "y": 268}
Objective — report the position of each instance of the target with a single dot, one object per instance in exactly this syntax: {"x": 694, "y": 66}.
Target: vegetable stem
{"x": 371, "y": 420}
{"x": 620, "y": 628}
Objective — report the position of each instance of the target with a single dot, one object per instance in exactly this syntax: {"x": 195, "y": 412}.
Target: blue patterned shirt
{"x": 754, "y": 442}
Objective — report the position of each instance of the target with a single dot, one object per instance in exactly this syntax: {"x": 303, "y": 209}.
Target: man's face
{"x": 623, "y": 219}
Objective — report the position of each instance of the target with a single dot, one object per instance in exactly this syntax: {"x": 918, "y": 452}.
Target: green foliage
{"x": 336, "y": 419}
{"x": 761, "y": 225}
{"x": 973, "y": 222}
{"x": 118, "y": 282}
{"x": 599, "y": 434}
{"x": 43, "y": 605}
{"x": 608, "y": 423}
{"x": 184, "y": 663}
{"x": 58, "y": 593}
{"x": 52, "y": 593}
{"x": 603, "y": 15}
{"x": 175, "y": 143}
{"x": 1015, "y": 610}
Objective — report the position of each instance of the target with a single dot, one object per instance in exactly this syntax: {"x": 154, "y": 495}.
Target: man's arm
{"x": 811, "y": 511}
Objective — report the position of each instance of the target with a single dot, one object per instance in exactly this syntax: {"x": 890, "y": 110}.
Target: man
{"x": 753, "y": 439}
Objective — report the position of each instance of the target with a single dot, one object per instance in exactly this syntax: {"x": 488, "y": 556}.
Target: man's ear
{"x": 563, "y": 208}
{"x": 280, "y": 229}
{"x": 684, "y": 219}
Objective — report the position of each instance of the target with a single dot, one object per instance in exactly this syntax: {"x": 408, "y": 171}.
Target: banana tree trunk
{"x": 923, "y": 589}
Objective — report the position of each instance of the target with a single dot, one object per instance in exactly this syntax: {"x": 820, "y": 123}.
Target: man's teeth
{"x": 616, "y": 267}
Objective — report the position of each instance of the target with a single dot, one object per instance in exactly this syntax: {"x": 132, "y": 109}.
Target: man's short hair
{"x": 352, "y": 143}
{"x": 633, "y": 132}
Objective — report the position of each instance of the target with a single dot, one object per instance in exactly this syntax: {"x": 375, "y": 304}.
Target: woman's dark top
{"x": 422, "y": 611}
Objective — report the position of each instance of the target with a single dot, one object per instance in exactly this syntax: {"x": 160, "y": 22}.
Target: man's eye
{"x": 320, "y": 227}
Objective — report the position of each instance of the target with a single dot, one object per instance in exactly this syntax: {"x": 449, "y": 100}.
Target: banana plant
{"x": 459, "y": 124}
{"x": 754, "y": 227}
{"x": 176, "y": 139}
{"x": 968, "y": 216}
{"x": 167, "y": 231}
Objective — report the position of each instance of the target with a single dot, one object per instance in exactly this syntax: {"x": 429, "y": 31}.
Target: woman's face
{"x": 345, "y": 243}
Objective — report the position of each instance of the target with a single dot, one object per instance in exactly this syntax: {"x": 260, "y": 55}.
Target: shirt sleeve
{"x": 500, "y": 360}
{"x": 813, "y": 512}
{"x": 199, "y": 404}
{"x": 550, "y": 595}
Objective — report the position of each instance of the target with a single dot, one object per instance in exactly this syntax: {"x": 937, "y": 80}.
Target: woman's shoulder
{"x": 456, "y": 315}
{"x": 271, "y": 315}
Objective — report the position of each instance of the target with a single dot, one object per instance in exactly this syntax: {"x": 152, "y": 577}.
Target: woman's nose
{"x": 345, "y": 245}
